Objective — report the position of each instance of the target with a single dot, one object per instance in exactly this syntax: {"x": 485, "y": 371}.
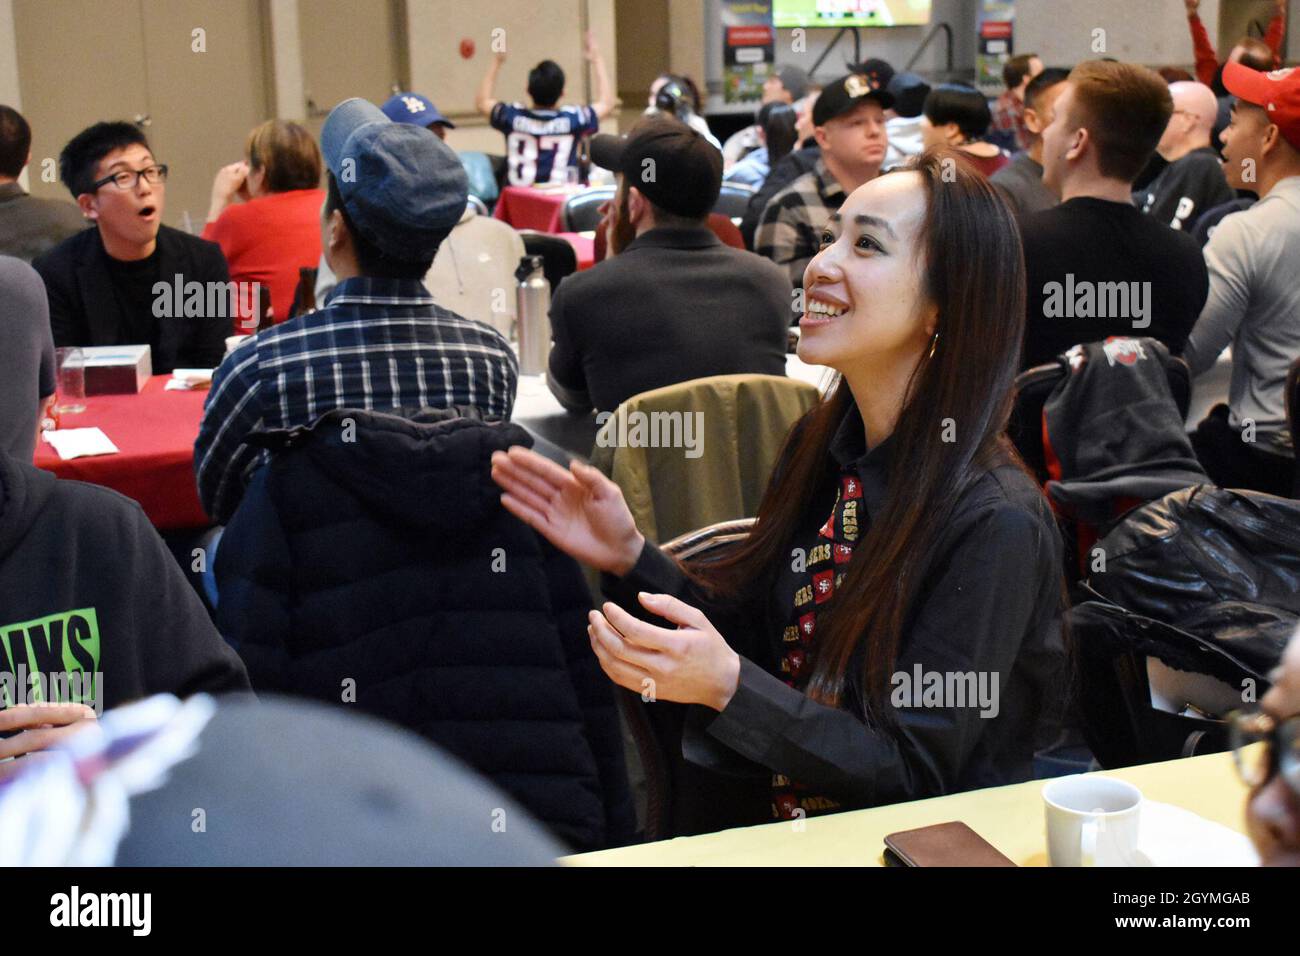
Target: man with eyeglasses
{"x": 1194, "y": 180}
{"x": 101, "y": 282}
{"x": 1266, "y": 746}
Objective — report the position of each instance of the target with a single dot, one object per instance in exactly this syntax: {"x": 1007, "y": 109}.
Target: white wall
{"x": 1153, "y": 32}
{"x": 541, "y": 29}
{"x": 9, "y": 93}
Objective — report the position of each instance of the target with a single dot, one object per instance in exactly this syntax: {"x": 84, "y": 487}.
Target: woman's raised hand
{"x": 580, "y": 511}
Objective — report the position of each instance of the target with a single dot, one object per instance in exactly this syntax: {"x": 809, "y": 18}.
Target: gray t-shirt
{"x": 26, "y": 356}
{"x": 1021, "y": 184}
{"x": 1254, "y": 305}
{"x": 30, "y": 227}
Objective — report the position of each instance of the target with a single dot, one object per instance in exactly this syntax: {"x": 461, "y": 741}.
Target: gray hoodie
{"x": 27, "y": 356}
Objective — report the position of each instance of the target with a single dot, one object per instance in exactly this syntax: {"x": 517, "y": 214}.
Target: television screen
{"x": 850, "y": 13}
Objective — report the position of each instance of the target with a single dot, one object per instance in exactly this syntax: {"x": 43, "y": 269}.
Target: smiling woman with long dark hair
{"x": 886, "y": 631}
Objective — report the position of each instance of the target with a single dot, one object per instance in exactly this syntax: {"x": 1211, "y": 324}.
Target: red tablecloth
{"x": 584, "y": 248}
{"x": 155, "y": 432}
{"x": 527, "y": 208}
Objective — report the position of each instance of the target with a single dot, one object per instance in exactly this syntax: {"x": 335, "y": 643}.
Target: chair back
{"x": 655, "y": 728}
{"x": 1195, "y": 600}
{"x": 266, "y": 316}
{"x": 558, "y": 258}
{"x": 1034, "y": 386}
{"x": 699, "y": 452}
{"x": 1116, "y": 655}
{"x": 733, "y": 200}
{"x": 1081, "y": 526}
{"x": 483, "y": 182}
{"x": 581, "y": 212}
{"x": 304, "y": 294}
{"x": 1025, "y": 427}
{"x": 726, "y": 230}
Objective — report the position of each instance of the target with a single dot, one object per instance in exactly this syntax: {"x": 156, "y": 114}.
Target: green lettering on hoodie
{"x": 64, "y": 643}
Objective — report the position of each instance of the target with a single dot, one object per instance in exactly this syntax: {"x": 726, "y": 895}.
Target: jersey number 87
{"x": 523, "y": 149}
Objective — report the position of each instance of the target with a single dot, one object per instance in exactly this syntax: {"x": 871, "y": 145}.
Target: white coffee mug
{"x": 1092, "y": 821}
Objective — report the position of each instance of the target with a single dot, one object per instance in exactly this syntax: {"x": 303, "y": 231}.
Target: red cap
{"x": 1277, "y": 92}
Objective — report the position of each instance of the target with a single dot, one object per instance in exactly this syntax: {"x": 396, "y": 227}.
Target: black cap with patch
{"x": 875, "y": 69}
{"x": 842, "y": 95}
{"x": 671, "y": 164}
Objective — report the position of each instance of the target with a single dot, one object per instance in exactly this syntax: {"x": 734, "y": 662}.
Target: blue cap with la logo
{"x": 414, "y": 109}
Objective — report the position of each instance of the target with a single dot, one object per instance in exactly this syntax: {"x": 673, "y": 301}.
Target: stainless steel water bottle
{"x": 534, "y": 304}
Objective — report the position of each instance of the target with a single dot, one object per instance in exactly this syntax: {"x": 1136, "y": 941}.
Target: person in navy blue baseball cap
{"x": 418, "y": 111}
{"x": 401, "y": 188}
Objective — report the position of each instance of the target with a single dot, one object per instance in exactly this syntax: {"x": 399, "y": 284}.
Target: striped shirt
{"x": 378, "y": 344}
{"x": 790, "y": 229}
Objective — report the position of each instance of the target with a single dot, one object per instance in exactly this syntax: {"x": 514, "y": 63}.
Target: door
{"x": 78, "y": 62}
{"x": 191, "y": 72}
{"x": 202, "y": 104}
{"x": 349, "y": 48}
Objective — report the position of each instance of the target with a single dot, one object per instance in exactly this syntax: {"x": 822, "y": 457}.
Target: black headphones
{"x": 673, "y": 98}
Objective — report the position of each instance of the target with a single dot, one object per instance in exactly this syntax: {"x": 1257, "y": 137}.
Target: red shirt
{"x": 268, "y": 239}
{"x": 988, "y": 165}
{"x": 1207, "y": 61}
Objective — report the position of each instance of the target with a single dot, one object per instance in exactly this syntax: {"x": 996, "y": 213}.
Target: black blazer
{"x": 85, "y": 311}
{"x": 675, "y": 305}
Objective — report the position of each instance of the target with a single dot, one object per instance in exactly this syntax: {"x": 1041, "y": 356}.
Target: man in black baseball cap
{"x": 664, "y": 164}
{"x": 903, "y": 120}
{"x": 849, "y": 126}
{"x": 879, "y": 72}
{"x": 674, "y": 303}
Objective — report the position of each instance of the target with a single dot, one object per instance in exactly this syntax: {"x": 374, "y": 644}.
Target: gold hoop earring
{"x": 934, "y": 344}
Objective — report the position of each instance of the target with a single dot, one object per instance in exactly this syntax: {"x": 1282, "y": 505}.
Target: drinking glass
{"x": 71, "y": 370}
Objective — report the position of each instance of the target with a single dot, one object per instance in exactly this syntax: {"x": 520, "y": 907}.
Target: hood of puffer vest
{"x": 430, "y": 469}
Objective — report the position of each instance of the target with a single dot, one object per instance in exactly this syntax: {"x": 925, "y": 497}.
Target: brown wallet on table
{"x": 943, "y": 844}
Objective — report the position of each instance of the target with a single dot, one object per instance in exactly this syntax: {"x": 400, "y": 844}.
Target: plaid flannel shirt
{"x": 1009, "y": 117}
{"x": 790, "y": 230}
{"x": 378, "y": 344}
